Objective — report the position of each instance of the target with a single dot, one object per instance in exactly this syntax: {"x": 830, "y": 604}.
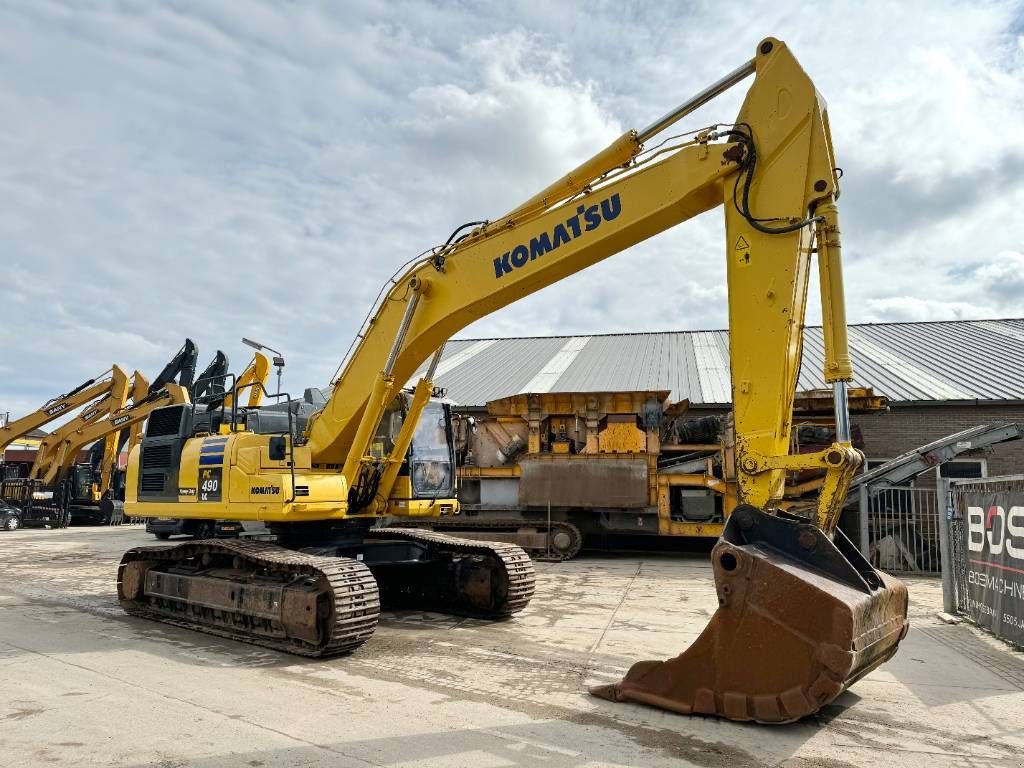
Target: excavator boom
{"x": 123, "y": 418}
{"x": 801, "y": 614}
{"x": 62, "y": 405}
{"x": 251, "y": 381}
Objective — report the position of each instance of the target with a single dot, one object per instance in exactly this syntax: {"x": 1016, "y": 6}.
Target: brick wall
{"x": 903, "y": 428}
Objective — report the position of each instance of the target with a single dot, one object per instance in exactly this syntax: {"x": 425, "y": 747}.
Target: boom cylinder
{"x": 383, "y": 389}
{"x": 403, "y": 329}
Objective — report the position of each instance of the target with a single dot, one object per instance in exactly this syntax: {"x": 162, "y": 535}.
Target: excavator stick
{"x": 801, "y": 617}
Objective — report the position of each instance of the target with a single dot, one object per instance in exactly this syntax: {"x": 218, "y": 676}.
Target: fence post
{"x": 944, "y": 511}
{"x": 864, "y": 544}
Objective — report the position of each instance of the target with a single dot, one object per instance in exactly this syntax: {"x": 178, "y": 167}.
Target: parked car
{"x": 10, "y": 517}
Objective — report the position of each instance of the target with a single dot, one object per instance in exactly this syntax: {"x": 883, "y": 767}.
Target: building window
{"x": 964, "y": 468}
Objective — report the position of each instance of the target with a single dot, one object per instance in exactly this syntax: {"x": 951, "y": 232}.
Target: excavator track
{"x": 482, "y": 579}
{"x": 552, "y": 542}
{"x": 254, "y": 592}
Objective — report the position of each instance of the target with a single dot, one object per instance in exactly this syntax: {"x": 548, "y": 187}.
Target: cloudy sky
{"x": 220, "y": 169}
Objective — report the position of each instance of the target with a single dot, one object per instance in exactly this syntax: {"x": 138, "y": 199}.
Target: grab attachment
{"x": 801, "y": 617}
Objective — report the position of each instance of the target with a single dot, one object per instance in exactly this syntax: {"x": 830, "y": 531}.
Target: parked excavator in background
{"x": 218, "y": 394}
{"x": 101, "y": 395}
{"x": 57, "y": 488}
{"x": 61, "y": 406}
{"x": 802, "y": 615}
{"x": 86, "y": 491}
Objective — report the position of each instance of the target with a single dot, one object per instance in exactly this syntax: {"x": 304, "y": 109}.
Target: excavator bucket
{"x": 801, "y": 617}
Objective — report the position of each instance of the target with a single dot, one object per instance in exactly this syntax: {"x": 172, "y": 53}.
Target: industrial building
{"x": 938, "y": 377}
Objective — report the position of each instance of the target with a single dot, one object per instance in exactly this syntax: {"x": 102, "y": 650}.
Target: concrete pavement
{"x": 83, "y": 685}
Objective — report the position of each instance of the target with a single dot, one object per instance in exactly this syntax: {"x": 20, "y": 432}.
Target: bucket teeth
{"x": 801, "y": 617}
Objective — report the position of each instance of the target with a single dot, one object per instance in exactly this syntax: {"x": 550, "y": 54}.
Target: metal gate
{"x": 900, "y": 529}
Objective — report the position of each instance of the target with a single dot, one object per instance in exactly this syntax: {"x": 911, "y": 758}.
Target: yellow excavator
{"x": 83, "y": 487}
{"x": 100, "y": 396}
{"x": 58, "y": 488}
{"x": 62, "y": 405}
{"x": 801, "y": 614}
{"x": 112, "y": 423}
{"x": 53, "y": 444}
{"x": 87, "y": 489}
{"x": 214, "y": 393}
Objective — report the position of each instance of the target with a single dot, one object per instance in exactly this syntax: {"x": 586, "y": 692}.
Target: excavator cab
{"x": 429, "y": 467}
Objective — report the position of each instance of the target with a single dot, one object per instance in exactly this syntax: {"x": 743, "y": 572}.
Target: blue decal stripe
{"x": 215, "y": 441}
{"x": 212, "y": 449}
{"x": 218, "y": 459}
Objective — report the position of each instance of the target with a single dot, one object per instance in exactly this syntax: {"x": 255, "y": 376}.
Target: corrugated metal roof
{"x": 906, "y": 362}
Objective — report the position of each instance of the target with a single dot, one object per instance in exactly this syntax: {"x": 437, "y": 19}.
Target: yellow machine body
{"x": 232, "y": 476}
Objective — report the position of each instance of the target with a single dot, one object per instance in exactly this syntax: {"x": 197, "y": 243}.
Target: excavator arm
{"x": 123, "y": 418}
{"x": 114, "y": 442}
{"x": 51, "y": 447}
{"x": 181, "y": 367}
{"x": 252, "y": 380}
{"x": 772, "y": 170}
{"x": 209, "y": 384}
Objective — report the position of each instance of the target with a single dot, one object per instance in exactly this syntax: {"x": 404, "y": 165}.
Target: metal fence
{"x": 958, "y": 536}
{"x": 900, "y": 529}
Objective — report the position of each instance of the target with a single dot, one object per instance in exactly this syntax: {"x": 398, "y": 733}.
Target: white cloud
{"x": 912, "y": 308}
{"x": 259, "y": 169}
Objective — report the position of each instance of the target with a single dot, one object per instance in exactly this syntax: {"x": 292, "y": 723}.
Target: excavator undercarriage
{"x": 321, "y": 600}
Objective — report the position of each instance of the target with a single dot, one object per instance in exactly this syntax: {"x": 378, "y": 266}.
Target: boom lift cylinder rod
{"x": 383, "y": 388}
{"x": 838, "y": 369}
{"x": 842, "y": 409}
{"x": 403, "y": 329}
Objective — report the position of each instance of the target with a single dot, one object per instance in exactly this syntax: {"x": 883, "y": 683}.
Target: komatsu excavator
{"x": 217, "y": 396}
{"x": 801, "y": 614}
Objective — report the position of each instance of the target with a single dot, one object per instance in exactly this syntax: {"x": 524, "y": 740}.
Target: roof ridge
{"x": 726, "y": 330}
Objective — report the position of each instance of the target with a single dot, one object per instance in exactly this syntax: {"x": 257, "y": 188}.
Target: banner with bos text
{"x": 994, "y": 529}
